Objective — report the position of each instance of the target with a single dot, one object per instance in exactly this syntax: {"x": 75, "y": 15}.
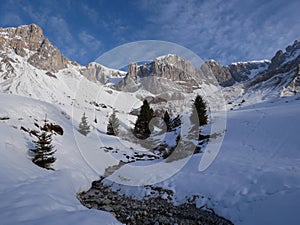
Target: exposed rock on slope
{"x": 294, "y": 86}
{"x": 222, "y": 73}
{"x": 282, "y": 73}
{"x": 236, "y": 72}
{"x": 166, "y": 73}
{"x": 172, "y": 73}
{"x": 29, "y": 41}
{"x": 170, "y": 77}
{"x": 48, "y": 57}
{"x": 96, "y": 72}
{"x": 242, "y": 71}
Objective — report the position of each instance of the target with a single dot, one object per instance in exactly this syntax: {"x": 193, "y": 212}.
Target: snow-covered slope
{"x": 32, "y": 195}
{"x": 67, "y": 89}
{"x": 255, "y": 178}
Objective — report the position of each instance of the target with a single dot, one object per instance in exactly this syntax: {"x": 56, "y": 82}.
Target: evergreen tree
{"x": 95, "y": 120}
{"x": 167, "y": 120}
{"x": 141, "y": 128}
{"x": 43, "y": 151}
{"x": 113, "y": 125}
{"x": 199, "y": 111}
{"x": 84, "y": 127}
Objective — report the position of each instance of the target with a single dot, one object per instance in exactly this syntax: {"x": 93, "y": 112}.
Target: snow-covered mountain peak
{"x": 28, "y": 41}
{"x": 31, "y": 35}
{"x": 169, "y": 58}
{"x": 164, "y": 73}
{"x": 281, "y": 58}
{"x": 236, "y": 72}
{"x": 32, "y": 66}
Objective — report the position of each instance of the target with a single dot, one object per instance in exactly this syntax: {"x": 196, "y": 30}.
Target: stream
{"x": 156, "y": 209}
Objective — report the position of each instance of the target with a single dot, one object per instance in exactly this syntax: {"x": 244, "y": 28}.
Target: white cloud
{"x": 89, "y": 41}
{"x": 60, "y": 27}
{"x": 90, "y": 12}
{"x": 225, "y": 30}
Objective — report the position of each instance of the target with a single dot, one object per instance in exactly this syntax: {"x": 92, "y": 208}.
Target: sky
{"x": 226, "y": 31}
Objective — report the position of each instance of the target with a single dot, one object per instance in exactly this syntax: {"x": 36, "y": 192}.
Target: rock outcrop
{"x": 242, "y": 71}
{"x": 163, "y": 75}
{"x": 166, "y": 73}
{"x": 48, "y": 57}
{"x": 282, "y": 73}
{"x": 222, "y": 73}
{"x": 277, "y": 60}
{"x": 294, "y": 86}
{"x": 98, "y": 73}
{"x": 171, "y": 67}
{"x": 291, "y": 53}
{"x": 28, "y": 41}
{"x": 172, "y": 73}
{"x": 236, "y": 72}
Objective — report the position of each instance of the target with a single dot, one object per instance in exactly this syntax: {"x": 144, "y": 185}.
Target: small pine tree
{"x": 200, "y": 111}
{"x": 44, "y": 151}
{"x": 84, "y": 127}
{"x": 167, "y": 120}
{"x": 95, "y": 120}
{"x": 113, "y": 125}
{"x": 141, "y": 128}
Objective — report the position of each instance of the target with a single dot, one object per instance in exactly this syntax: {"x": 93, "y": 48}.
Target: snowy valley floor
{"x": 255, "y": 178}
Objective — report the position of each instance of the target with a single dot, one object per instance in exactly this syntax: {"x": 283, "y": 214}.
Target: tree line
{"x": 142, "y": 127}
{"x": 43, "y": 151}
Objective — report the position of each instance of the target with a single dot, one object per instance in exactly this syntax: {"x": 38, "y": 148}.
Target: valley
{"x": 245, "y": 171}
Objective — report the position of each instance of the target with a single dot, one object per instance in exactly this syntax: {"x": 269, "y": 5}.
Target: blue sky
{"x": 227, "y": 31}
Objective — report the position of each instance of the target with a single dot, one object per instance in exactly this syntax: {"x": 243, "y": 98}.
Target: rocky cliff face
{"x": 283, "y": 72}
{"x": 281, "y": 58}
{"x": 236, "y": 72}
{"x": 163, "y": 74}
{"x": 24, "y": 37}
{"x": 171, "y": 72}
{"x": 29, "y": 42}
{"x": 243, "y": 71}
{"x": 167, "y": 73}
{"x": 222, "y": 73}
{"x": 294, "y": 86}
{"x": 98, "y": 73}
{"x": 171, "y": 67}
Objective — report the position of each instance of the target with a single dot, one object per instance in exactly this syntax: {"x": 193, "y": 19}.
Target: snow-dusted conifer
{"x": 84, "y": 127}
{"x": 44, "y": 151}
{"x": 113, "y": 124}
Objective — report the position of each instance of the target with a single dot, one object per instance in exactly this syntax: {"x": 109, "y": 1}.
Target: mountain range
{"x": 26, "y": 47}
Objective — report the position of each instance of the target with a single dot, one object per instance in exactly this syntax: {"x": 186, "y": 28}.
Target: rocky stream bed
{"x": 155, "y": 210}
{"x": 157, "y": 207}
